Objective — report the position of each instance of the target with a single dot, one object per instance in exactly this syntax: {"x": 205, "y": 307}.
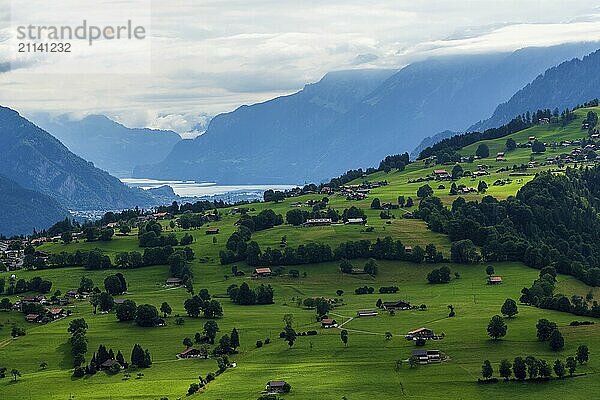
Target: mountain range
{"x": 352, "y": 119}
{"x": 348, "y": 119}
{"x": 108, "y": 144}
{"x": 563, "y": 86}
{"x": 35, "y": 160}
{"x": 24, "y": 210}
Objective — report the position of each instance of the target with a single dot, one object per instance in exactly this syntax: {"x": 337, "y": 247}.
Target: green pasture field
{"x": 317, "y": 367}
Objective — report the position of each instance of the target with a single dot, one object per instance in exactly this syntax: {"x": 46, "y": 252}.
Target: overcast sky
{"x": 212, "y": 56}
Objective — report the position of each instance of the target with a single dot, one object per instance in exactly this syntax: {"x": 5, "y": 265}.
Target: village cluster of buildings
{"x": 361, "y": 191}
{"x": 52, "y": 309}
{"x": 51, "y": 314}
{"x": 12, "y": 259}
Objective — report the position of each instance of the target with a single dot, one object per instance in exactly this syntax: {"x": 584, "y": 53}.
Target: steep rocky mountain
{"x": 24, "y": 210}
{"x": 108, "y": 144}
{"x": 35, "y": 160}
{"x": 352, "y": 119}
{"x": 564, "y": 86}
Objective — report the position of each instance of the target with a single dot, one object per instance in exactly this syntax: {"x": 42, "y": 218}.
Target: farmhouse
{"x": 262, "y": 272}
{"x": 467, "y": 190}
{"x": 318, "y": 222}
{"x": 395, "y": 305}
{"x": 328, "y": 323}
{"x": 212, "y": 231}
{"x": 40, "y": 298}
{"x": 276, "y": 386}
{"x": 56, "y": 313}
{"x": 162, "y": 215}
{"x": 494, "y": 280}
{"x": 33, "y": 318}
{"x": 421, "y": 333}
{"x": 174, "y": 282}
{"x": 354, "y": 221}
{"x": 441, "y": 174}
{"x": 108, "y": 364}
{"x": 366, "y": 313}
{"x": 427, "y": 356}
{"x": 191, "y": 352}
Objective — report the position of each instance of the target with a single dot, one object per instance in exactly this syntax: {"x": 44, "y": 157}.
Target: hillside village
{"x": 224, "y": 298}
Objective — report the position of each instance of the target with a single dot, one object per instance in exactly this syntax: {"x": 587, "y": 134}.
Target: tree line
{"x": 552, "y": 221}
{"x": 240, "y": 248}
{"x": 534, "y": 369}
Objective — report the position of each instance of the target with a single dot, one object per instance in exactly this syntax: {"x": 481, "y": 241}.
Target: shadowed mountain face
{"x": 36, "y": 160}
{"x": 564, "y": 86}
{"x": 24, "y": 210}
{"x": 108, "y": 144}
{"x": 268, "y": 142}
{"x": 353, "y": 119}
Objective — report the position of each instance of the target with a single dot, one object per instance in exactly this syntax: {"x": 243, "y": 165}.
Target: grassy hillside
{"x": 316, "y": 366}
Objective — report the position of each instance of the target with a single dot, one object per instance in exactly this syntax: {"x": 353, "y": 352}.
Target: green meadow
{"x": 320, "y": 366}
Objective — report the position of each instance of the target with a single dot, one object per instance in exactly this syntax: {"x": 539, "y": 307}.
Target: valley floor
{"x": 316, "y": 366}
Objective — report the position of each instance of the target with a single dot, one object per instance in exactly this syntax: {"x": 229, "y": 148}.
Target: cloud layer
{"x": 212, "y": 56}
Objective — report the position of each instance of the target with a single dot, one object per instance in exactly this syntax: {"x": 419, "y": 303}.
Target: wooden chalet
{"x": 421, "y": 333}
{"x": 318, "y": 222}
{"x": 191, "y": 352}
{"x": 162, "y": 215}
{"x": 396, "y": 305}
{"x": 328, "y": 323}
{"x": 33, "y": 318}
{"x": 212, "y": 231}
{"x": 262, "y": 272}
{"x": 108, "y": 364}
{"x": 366, "y": 313}
{"x": 275, "y": 386}
{"x": 355, "y": 221}
{"x": 441, "y": 174}
{"x": 427, "y": 356}
{"x": 494, "y": 280}
{"x": 57, "y": 313}
{"x": 40, "y": 298}
{"x": 174, "y": 282}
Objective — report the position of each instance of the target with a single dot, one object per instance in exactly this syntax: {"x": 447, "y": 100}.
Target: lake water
{"x": 204, "y": 189}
